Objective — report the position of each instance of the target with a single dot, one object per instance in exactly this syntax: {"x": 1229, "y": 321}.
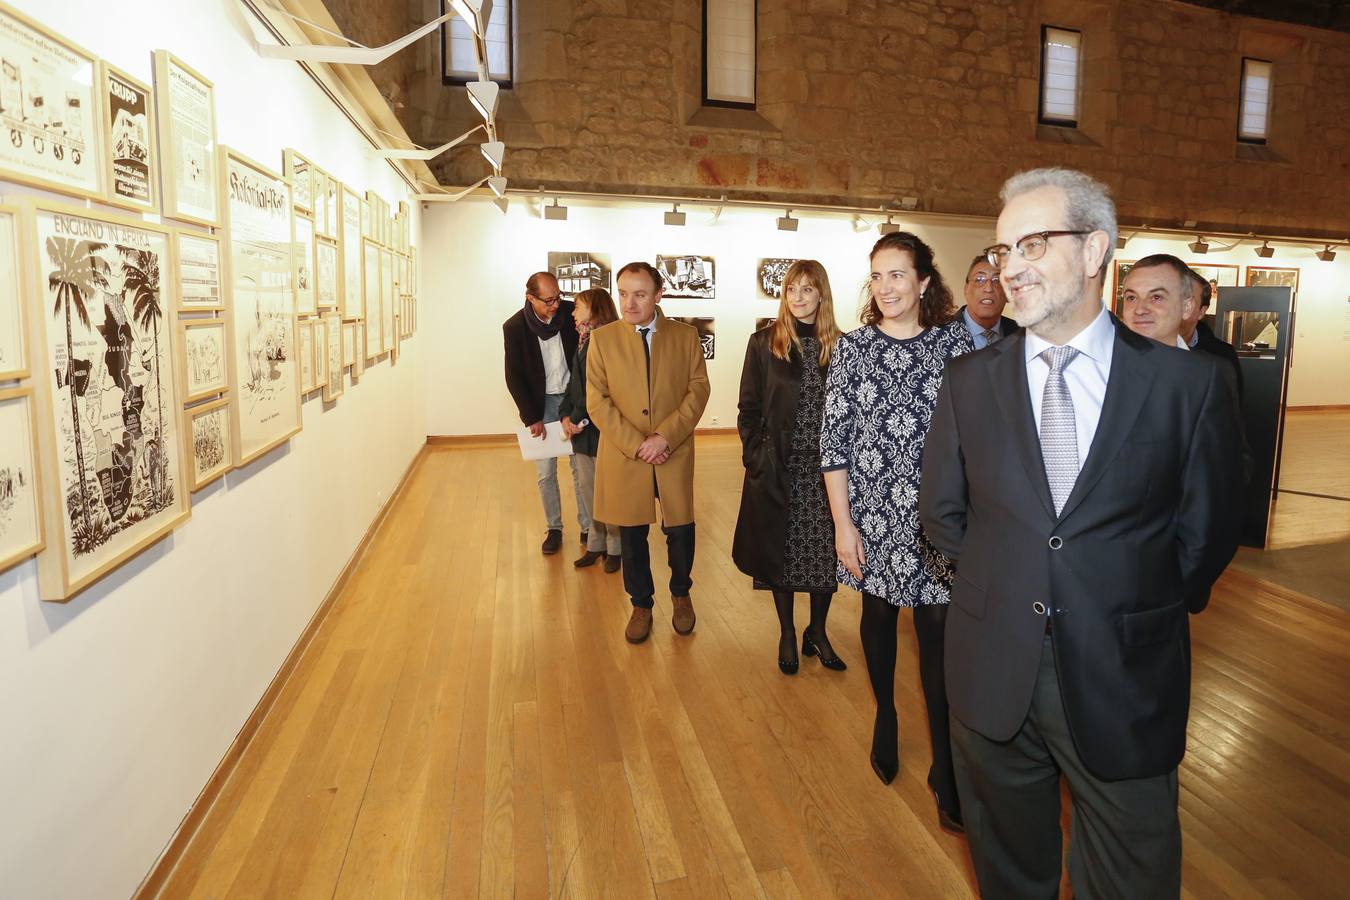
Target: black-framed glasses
{"x": 983, "y": 278}
{"x": 548, "y": 301}
{"x": 1032, "y": 247}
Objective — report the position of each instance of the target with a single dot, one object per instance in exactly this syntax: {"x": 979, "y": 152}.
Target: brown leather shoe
{"x": 613, "y": 562}
{"x": 639, "y": 625}
{"x": 589, "y": 558}
{"x": 683, "y": 618}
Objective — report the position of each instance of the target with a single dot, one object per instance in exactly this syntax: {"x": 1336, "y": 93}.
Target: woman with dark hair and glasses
{"x": 882, "y": 385}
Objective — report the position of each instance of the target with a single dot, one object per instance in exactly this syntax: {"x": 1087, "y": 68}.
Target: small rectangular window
{"x": 1254, "y": 115}
{"x": 1061, "y": 60}
{"x": 729, "y": 38}
{"x": 460, "y": 64}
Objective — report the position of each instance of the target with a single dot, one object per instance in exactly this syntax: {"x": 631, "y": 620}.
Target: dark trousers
{"x": 637, "y": 563}
{"x": 1125, "y": 840}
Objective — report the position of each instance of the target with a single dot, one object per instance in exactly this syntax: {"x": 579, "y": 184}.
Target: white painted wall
{"x": 477, "y": 261}
{"x": 116, "y": 707}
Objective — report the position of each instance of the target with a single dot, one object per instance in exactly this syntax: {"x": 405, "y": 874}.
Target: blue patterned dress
{"x": 879, "y": 399}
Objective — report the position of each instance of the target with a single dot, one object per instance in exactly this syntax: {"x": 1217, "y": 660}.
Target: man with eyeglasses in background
{"x": 985, "y": 300}
{"x": 1086, "y": 482}
{"x": 541, "y": 340}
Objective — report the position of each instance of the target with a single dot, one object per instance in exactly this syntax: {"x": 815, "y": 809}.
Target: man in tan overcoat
{"x": 646, "y": 387}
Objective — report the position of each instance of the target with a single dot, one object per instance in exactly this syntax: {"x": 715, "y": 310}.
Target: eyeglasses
{"x": 983, "y": 278}
{"x": 1031, "y": 248}
{"x": 548, "y": 301}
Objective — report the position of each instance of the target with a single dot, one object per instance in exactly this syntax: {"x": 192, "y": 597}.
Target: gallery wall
{"x": 477, "y": 260}
{"x": 116, "y": 707}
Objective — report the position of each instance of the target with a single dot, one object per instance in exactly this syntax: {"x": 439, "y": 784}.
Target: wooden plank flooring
{"x": 470, "y": 722}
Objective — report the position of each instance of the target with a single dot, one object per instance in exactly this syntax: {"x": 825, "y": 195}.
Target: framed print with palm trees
{"x": 256, "y": 203}
{"x": 108, "y": 400}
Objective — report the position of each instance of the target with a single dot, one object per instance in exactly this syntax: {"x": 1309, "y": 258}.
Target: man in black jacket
{"x": 1199, "y": 336}
{"x": 541, "y": 340}
{"x": 1084, "y": 479}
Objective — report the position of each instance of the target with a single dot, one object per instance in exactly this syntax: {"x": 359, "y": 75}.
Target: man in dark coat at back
{"x": 541, "y": 339}
{"x": 1199, "y": 336}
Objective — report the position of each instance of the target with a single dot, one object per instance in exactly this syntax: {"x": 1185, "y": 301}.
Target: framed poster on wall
{"x": 185, "y": 103}
{"x": 370, "y": 288}
{"x": 327, "y": 274}
{"x": 387, "y": 301}
{"x": 256, "y": 203}
{"x": 208, "y": 431}
{"x": 320, "y": 342}
{"x": 20, "y": 507}
{"x": 199, "y": 271}
{"x": 348, "y": 344}
{"x": 1273, "y": 276}
{"x": 108, "y": 401}
{"x": 128, "y": 133}
{"x": 305, "y": 343}
{"x": 13, "y": 333}
{"x": 332, "y": 203}
{"x": 332, "y": 388}
{"x": 50, "y": 109}
{"x": 302, "y": 259}
{"x": 353, "y": 304}
{"x": 301, "y": 174}
{"x": 203, "y": 349}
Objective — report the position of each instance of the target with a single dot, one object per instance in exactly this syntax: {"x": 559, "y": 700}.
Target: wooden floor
{"x": 470, "y": 722}
{"x": 1316, "y": 457}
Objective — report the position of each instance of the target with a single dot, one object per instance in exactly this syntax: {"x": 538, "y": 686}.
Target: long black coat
{"x": 1209, "y": 342}
{"x": 770, "y": 388}
{"x": 525, "y": 361}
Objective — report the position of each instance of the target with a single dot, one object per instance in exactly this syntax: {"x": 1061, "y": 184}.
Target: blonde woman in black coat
{"x": 784, "y": 533}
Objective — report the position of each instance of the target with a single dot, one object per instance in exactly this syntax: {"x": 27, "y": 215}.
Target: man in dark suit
{"x": 1084, "y": 479}
{"x": 985, "y": 299}
{"x": 1199, "y": 336}
{"x": 541, "y": 340}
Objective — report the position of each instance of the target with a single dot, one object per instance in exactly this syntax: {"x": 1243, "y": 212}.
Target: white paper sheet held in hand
{"x": 550, "y": 445}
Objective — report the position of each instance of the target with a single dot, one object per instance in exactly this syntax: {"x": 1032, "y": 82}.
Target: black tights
{"x": 878, "y": 632}
{"x": 820, "y": 609}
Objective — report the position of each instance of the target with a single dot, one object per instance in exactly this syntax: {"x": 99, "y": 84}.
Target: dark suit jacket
{"x": 1209, "y": 342}
{"x": 1151, "y": 523}
{"x": 525, "y": 361}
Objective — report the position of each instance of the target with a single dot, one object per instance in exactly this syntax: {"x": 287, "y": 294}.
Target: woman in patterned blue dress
{"x": 879, "y": 398}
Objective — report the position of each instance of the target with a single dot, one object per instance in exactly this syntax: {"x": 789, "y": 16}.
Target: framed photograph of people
{"x": 353, "y": 303}
{"x": 302, "y": 261}
{"x": 332, "y": 387}
{"x": 203, "y": 351}
{"x": 50, "y": 108}
{"x": 20, "y": 506}
{"x": 13, "y": 333}
{"x": 185, "y": 103}
{"x": 207, "y": 427}
{"x": 108, "y": 401}
{"x": 327, "y": 274}
{"x": 256, "y": 206}
{"x": 128, "y": 133}
{"x": 1273, "y": 276}
{"x": 199, "y": 271}
{"x": 300, "y": 171}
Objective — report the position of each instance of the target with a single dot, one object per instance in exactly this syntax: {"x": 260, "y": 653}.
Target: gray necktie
{"x": 1059, "y": 431}
{"x": 991, "y": 336}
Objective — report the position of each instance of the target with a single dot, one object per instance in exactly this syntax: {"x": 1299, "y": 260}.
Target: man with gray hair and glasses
{"x": 1083, "y": 479}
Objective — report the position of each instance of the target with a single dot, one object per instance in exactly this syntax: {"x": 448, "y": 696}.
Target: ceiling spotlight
{"x": 787, "y": 223}
{"x": 497, "y": 184}
{"x": 493, "y": 152}
{"x": 1199, "y": 246}
{"x": 909, "y": 203}
{"x": 674, "y": 216}
{"x": 1265, "y": 251}
{"x": 888, "y": 227}
{"x": 483, "y": 96}
{"x": 1327, "y": 255}
{"x": 555, "y": 213}
{"x": 501, "y": 203}
{"x": 1189, "y": 223}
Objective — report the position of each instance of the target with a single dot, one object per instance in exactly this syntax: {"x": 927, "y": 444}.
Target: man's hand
{"x": 654, "y": 450}
{"x": 537, "y": 430}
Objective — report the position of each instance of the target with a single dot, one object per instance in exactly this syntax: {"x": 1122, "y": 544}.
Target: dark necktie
{"x": 991, "y": 336}
{"x": 647, "y": 352}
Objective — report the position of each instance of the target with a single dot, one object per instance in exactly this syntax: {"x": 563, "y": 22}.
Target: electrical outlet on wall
{"x": 714, "y": 420}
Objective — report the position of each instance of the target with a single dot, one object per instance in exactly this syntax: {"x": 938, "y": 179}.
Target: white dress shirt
{"x": 1086, "y": 376}
{"x": 651, "y": 330}
{"x": 556, "y": 374}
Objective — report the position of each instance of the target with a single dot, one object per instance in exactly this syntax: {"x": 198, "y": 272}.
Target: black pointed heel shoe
{"x": 787, "y": 654}
{"x": 886, "y": 772}
{"x": 810, "y": 647}
{"x": 948, "y": 820}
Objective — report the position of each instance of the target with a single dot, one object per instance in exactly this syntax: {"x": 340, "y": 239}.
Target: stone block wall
{"x": 864, "y": 101}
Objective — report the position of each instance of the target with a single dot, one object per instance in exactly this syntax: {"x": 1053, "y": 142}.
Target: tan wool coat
{"x": 626, "y": 413}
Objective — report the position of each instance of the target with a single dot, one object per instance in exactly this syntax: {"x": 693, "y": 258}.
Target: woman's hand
{"x": 568, "y": 429}
{"x": 848, "y": 546}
